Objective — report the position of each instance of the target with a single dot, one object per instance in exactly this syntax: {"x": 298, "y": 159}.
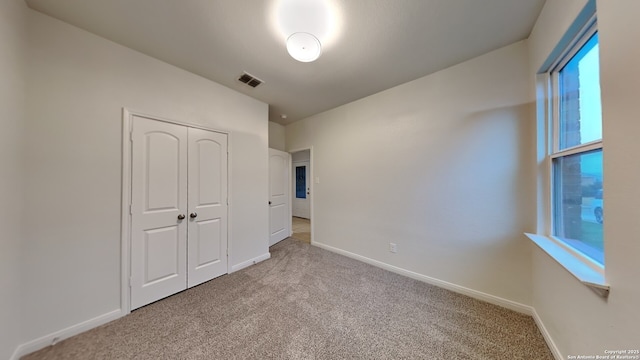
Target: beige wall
{"x": 276, "y": 136}
{"x": 578, "y": 320}
{"x": 12, "y": 97}
{"x": 78, "y": 84}
{"x": 304, "y": 155}
{"x": 438, "y": 166}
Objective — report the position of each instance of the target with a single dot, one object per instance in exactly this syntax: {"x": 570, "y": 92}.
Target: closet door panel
{"x": 207, "y": 241}
{"x": 159, "y": 199}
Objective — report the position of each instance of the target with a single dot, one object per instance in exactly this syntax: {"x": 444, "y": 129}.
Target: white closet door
{"x": 207, "y": 241}
{"x": 159, "y": 206}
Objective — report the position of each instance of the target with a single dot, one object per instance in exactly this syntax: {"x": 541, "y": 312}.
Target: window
{"x": 301, "y": 182}
{"x": 575, "y": 153}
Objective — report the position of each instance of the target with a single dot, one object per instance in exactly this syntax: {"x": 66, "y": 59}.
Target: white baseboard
{"x": 57, "y": 336}
{"x": 250, "y": 262}
{"x": 512, "y": 305}
{"x": 547, "y": 337}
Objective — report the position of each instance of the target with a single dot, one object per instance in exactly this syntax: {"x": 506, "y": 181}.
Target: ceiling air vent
{"x": 250, "y": 80}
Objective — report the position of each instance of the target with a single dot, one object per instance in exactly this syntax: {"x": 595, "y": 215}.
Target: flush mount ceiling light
{"x": 309, "y": 27}
{"x": 304, "y": 47}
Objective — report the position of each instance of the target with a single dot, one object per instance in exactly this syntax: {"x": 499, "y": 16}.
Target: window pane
{"x": 580, "y": 110}
{"x": 578, "y": 214}
{"x": 301, "y": 182}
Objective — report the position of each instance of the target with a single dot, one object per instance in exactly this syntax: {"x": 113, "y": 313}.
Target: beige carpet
{"x": 307, "y": 303}
{"x": 301, "y": 229}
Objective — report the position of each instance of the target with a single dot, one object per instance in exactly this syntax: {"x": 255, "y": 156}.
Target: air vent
{"x": 250, "y": 80}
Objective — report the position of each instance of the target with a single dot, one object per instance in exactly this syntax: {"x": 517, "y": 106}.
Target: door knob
{"x": 269, "y": 202}
{"x": 181, "y": 217}
{"x": 193, "y": 215}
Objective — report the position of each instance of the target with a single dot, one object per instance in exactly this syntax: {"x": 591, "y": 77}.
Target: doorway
{"x": 301, "y": 195}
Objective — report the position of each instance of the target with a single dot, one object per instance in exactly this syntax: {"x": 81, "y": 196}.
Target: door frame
{"x": 125, "y": 222}
{"x": 312, "y": 186}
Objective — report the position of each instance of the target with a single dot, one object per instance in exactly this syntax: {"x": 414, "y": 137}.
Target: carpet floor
{"x": 308, "y": 303}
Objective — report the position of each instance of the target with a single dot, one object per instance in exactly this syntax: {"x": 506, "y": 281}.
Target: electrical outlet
{"x": 393, "y": 247}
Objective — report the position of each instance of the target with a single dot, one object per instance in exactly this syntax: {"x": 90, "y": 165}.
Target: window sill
{"x": 577, "y": 266}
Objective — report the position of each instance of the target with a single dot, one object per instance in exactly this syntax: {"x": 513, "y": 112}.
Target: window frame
{"x": 588, "y": 271}
{"x": 553, "y": 136}
{"x": 554, "y": 117}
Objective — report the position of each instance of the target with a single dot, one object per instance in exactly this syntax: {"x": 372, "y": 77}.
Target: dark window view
{"x": 301, "y": 182}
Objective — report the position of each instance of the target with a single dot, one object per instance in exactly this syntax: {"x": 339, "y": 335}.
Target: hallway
{"x": 301, "y": 229}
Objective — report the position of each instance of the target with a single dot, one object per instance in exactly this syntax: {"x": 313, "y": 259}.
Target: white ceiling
{"x": 377, "y": 44}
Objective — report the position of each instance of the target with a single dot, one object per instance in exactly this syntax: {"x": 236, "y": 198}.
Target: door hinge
{"x": 130, "y": 282}
{"x": 130, "y": 209}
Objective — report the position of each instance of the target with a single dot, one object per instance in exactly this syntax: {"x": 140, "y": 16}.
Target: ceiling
{"x": 368, "y": 45}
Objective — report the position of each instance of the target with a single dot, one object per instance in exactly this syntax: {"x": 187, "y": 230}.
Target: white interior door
{"x": 301, "y": 190}
{"x": 279, "y": 218}
{"x": 159, "y": 205}
{"x": 207, "y": 236}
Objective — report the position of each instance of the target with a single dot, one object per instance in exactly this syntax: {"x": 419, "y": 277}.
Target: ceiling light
{"x": 304, "y": 47}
